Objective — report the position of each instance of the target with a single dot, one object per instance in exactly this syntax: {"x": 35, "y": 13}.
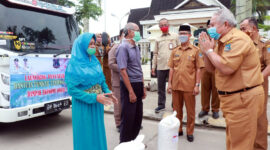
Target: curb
{"x": 204, "y": 122}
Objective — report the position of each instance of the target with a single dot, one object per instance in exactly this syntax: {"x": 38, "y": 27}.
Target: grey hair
{"x": 129, "y": 26}
{"x": 224, "y": 15}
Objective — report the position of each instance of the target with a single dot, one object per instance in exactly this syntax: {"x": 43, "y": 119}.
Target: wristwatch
{"x": 209, "y": 51}
{"x": 197, "y": 84}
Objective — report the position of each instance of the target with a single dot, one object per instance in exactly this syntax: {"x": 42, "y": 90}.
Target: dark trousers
{"x": 162, "y": 76}
{"x": 132, "y": 113}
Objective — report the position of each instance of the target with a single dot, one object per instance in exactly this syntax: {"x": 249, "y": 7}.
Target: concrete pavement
{"x": 150, "y": 103}
{"x": 55, "y": 133}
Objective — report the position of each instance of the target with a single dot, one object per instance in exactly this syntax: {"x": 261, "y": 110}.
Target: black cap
{"x": 16, "y": 59}
{"x": 184, "y": 28}
{"x": 25, "y": 59}
{"x": 208, "y": 22}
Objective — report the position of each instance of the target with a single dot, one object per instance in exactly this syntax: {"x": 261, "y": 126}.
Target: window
{"x": 24, "y": 30}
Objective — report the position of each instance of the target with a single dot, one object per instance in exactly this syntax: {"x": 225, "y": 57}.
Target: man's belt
{"x": 238, "y": 91}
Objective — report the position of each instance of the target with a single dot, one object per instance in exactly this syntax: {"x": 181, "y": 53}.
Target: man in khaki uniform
{"x": 163, "y": 47}
{"x": 184, "y": 80}
{"x": 209, "y": 92}
{"x": 250, "y": 27}
{"x": 115, "y": 79}
{"x": 236, "y": 64}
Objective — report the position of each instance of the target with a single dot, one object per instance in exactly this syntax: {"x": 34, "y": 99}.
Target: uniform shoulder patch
{"x": 200, "y": 54}
{"x": 268, "y": 48}
{"x": 227, "y": 47}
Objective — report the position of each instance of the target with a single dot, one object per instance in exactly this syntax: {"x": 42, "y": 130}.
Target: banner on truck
{"x": 35, "y": 79}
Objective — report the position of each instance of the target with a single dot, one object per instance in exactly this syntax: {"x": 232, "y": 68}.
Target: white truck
{"x": 35, "y": 40}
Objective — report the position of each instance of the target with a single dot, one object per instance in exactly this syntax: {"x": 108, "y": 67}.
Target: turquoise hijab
{"x": 80, "y": 70}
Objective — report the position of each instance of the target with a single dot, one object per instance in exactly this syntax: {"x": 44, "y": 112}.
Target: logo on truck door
{"x": 17, "y": 45}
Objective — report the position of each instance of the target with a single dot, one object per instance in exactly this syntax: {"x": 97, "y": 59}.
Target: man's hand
{"x": 169, "y": 88}
{"x": 132, "y": 97}
{"x": 205, "y": 42}
{"x": 153, "y": 72}
{"x": 144, "y": 93}
{"x": 196, "y": 90}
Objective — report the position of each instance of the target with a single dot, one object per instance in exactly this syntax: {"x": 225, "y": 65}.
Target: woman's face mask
{"x": 91, "y": 51}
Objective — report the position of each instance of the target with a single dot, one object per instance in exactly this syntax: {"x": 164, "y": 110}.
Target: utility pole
{"x": 85, "y": 25}
{"x": 243, "y": 9}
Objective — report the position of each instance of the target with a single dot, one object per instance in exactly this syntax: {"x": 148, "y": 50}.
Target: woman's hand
{"x": 107, "y": 99}
{"x": 104, "y": 99}
{"x": 114, "y": 99}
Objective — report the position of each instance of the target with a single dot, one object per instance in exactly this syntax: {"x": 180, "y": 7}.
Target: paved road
{"x": 55, "y": 133}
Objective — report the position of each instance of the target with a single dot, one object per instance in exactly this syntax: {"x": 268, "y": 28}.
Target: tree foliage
{"x": 258, "y": 6}
{"x": 85, "y": 9}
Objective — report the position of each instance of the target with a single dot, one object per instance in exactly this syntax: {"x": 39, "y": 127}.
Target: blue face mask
{"x": 183, "y": 38}
{"x": 213, "y": 33}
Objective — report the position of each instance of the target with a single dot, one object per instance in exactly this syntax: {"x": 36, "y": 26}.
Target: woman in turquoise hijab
{"x": 86, "y": 84}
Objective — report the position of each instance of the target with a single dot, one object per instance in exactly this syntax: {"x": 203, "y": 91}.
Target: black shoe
{"x": 180, "y": 133}
{"x": 158, "y": 109}
{"x": 190, "y": 138}
{"x": 215, "y": 115}
{"x": 202, "y": 114}
{"x": 118, "y": 129}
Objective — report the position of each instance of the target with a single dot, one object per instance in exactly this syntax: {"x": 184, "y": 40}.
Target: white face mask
{"x": 183, "y": 38}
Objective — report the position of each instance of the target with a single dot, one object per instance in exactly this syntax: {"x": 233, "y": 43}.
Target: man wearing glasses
{"x": 163, "y": 47}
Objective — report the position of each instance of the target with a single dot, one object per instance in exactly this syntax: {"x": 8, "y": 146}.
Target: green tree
{"x": 258, "y": 6}
{"x": 85, "y": 9}
{"x": 263, "y": 26}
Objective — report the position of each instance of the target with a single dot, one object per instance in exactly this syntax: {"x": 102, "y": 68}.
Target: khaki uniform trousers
{"x": 242, "y": 112}
{"x": 117, "y": 107}
{"x": 179, "y": 98}
{"x": 209, "y": 89}
{"x": 261, "y": 142}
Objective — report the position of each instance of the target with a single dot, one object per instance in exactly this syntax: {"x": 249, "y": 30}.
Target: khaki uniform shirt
{"x": 162, "y": 51}
{"x": 239, "y": 53}
{"x": 185, "y": 63}
{"x": 264, "y": 51}
{"x": 115, "y": 78}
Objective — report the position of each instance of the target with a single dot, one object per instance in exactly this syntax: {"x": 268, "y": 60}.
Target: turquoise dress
{"x": 85, "y": 80}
